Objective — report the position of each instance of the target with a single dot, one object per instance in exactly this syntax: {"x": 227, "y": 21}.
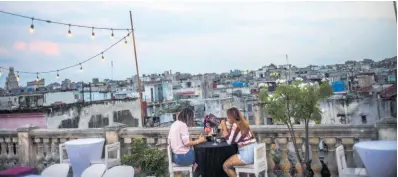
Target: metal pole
{"x": 395, "y": 10}
{"x": 89, "y": 84}
{"x": 83, "y": 90}
{"x": 136, "y": 67}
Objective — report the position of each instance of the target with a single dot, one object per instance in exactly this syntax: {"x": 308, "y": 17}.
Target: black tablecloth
{"x": 210, "y": 158}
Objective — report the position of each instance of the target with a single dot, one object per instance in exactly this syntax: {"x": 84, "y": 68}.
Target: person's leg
{"x": 229, "y": 163}
{"x": 185, "y": 159}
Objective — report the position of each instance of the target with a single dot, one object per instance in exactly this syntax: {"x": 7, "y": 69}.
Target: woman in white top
{"x": 179, "y": 139}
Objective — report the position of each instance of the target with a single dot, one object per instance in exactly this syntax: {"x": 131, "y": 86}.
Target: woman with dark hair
{"x": 240, "y": 134}
{"x": 179, "y": 139}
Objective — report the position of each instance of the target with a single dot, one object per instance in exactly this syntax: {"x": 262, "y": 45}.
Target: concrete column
{"x": 112, "y": 132}
{"x": 331, "y": 157}
{"x": 315, "y": 163}
{"x": 285, "y": 165}
{"x": 348, "y": 143}
{"x": 112, "y": 135}
{"x": 26, "y": 156}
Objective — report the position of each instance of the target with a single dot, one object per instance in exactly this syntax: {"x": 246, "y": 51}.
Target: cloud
{"x": 19, "y": 45}
{"x": 46, "y": 47}
{"x": 3, "y": 51}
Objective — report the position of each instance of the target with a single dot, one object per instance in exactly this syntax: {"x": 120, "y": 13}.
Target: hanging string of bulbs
{"x": 71, "y": 66}
{"x": 69, "y": 33}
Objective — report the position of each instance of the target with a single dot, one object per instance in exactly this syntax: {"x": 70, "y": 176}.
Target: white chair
{"x": 96, "y": 170}
{"x": 174, "y": 167}
{"x": 343, "y": 170}
{"x": 120, "y": 171}
{"x": 260, "y": 162}
{"x": 110, "y": 162}
{"x": 61, "y": 154}
{"x": 56, "y": 170}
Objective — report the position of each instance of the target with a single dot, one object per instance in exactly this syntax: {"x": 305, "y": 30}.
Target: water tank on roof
{"x": 338, "y": 86}
{"x": 239, "y": 84}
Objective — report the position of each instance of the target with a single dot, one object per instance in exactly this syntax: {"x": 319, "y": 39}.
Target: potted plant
{"x": 298, "y": 102}
{"x": 146, "y": 160}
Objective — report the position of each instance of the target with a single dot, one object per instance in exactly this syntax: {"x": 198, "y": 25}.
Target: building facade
{"x": 11, "y": 80}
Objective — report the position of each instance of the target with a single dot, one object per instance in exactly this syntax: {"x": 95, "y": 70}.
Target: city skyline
{"x": 194, "y": 37}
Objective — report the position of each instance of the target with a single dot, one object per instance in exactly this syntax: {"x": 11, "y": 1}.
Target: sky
{"x": 195, "y": 37}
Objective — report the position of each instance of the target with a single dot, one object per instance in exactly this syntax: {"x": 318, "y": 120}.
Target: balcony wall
{"x": 39, "y": 147}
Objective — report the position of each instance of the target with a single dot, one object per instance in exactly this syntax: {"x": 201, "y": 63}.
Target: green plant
{"x": 150, "y": 161}
{"x": 297, "y": 102}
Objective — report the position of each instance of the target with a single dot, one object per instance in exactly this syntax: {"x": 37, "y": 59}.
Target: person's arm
{"x": 201, "y": 139}
{"x": 186, "y": 140}
{"x": 229, "y": 138}
{"x": 224, "y": 129}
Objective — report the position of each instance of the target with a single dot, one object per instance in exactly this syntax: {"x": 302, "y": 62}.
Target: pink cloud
{"x": 3, "y": 51}
{"x": 46, "y": 47}
{"x": 19, "y": 46}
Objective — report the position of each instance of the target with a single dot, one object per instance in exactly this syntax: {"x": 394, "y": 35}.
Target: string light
{"x": 0, "y": 73}
{"x": 59, "y": 23}
{"x": 112, "y": 35}
{"x": 37, "y": 77}
{"x": 57, "y": 75}
{"x": 102, "y": 59}
{"x": 92, "y": 33}
{"x": 69, "y": 32}
{"x": 125, "y": 41}
{"x": 32, "y": 27}
{"x": 70, "y": 66}
{"x": 128, "y": 33}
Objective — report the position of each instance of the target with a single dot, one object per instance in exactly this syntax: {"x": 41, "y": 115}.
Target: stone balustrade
{"x": 40, "y": 147}
{"x": 8, "y": 148}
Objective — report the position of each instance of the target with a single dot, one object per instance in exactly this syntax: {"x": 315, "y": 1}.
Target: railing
{"x": 40, "y": 147}
{"x": 8, "y": 148}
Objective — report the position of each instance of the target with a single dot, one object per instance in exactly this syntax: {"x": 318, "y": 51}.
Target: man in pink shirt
{"x": 179, "y": 139}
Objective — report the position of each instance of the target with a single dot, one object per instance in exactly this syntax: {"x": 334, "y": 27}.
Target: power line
{"x": 71, "y": 66}
{"x": 62, "y": 23}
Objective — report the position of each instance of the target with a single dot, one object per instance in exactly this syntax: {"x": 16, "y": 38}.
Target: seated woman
{"x": 240, "y": 134}
{"x": 179, "y": 139}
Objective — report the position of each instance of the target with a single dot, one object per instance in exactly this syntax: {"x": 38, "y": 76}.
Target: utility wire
{"x": 61, "y": 23}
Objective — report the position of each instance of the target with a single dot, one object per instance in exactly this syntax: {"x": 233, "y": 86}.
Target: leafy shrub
{"x": 151, "y": 161}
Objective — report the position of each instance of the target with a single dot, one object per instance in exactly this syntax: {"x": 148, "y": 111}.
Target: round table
{"x": 379, "y": 157}
{"x": 82, "y": 151}
{"x": 210, "y": 158}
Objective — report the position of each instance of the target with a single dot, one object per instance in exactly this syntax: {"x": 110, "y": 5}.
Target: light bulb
{"x": 92, "y": 34}
{"x": 81, "y": 68}
{"x": 112, "y": 35}
{"x": 17, "y": 78}
{"x": 57, "y": 76}
{"x": 125, "y": 41}
{"x": 69, "y": 32}
{"x": 102, "y": 59}
{"x": 32, "y": 29}
{"x": 0, "y": 73}
{"x": 128, "y": 33}
{"x": 37, "y": 79}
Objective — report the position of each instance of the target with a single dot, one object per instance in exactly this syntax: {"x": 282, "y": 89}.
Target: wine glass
{"x": 214, "y": 134}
